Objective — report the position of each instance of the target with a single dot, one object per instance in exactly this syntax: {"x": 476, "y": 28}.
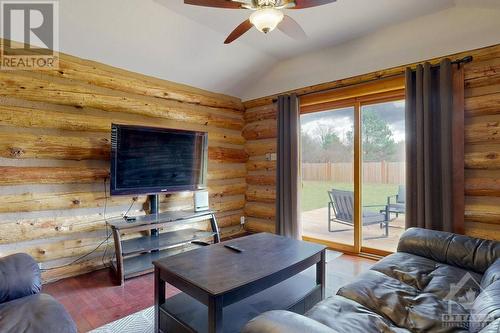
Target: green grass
{"x": 314, "y": 194}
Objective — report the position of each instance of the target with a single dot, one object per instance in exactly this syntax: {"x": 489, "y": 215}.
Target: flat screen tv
{"x": 148, "y": 160}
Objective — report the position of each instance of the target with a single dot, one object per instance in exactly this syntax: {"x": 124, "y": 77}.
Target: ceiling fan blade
{"x": 215, "y": 3}
{"x": 240, "y": 30}
{"x": 291, "y": 28}
{"x": 300, "y": 4}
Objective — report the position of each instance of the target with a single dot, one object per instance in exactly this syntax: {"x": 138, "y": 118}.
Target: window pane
{"x": 383, "y": 178}
{"x": 327, "y": 175}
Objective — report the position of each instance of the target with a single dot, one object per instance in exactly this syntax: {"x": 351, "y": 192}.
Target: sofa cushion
{"x": 455, "y": 284}
{"x": 425, "y": 243}
{"x": 404, "y": 305}
{"x": 35, "y": 314}
{"x": 429, "y": 276}
{"x": 19, "y": 277}
{"x": 456, "y": 250}
{"x": 494, "y": 327}
{"x": 407, "y": 268}
{"x": 491, "y": 275}
{"x": 346, "y": 315}
{"x": 278, "y": 321}
{"x": 486, "y": 307}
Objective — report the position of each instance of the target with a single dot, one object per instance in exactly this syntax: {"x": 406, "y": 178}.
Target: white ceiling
{"x": 325, "y": 25}
{"x": 182, "y": 43}
{"x": 443, "y": 33}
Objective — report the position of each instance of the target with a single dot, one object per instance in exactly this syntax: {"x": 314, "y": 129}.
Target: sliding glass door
{"x": 353, "y": 172}
{"x": 383, "y": 174}
{"x": 327, "y": 172}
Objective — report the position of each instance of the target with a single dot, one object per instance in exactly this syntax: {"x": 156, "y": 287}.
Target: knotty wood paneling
{"x": 482, "y": 144}
{"x": 55, "y": 148}
{"x": 260, "y": 132}
{"x": 71, "y": 120}
{"x": 40, "y": 87}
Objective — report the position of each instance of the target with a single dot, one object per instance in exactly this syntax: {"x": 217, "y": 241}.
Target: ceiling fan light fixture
{"x": 266, "y": 19}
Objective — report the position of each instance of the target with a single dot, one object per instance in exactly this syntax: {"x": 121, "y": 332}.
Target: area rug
{"x": 139, "y": 322}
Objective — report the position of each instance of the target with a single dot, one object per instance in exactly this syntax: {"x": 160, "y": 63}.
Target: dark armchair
{"x": 341, "y": 210}
{"x": 22, "y": 307}
{"x": 396, "y": 204}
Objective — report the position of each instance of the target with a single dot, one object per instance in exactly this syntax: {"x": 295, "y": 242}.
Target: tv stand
{"x": 134, "y": 256}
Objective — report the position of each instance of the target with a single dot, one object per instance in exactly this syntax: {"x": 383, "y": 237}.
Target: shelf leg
{"x": 154, "y": 208}
{"x": 118, "y": 254}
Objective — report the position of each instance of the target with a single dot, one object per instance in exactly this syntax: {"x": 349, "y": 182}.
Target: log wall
{"x": 260, "y": 132}
{"x": 54, "y": 157}
{"x": 55, "y": 141}
{"x": 482, "y": 145}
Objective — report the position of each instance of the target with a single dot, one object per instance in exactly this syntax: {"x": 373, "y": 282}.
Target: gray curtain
{"x": 429, "y": 147}
{"x": 288, "y": 168}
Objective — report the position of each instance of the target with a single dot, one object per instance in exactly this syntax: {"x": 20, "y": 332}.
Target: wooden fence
{"x": 373, "y": 172}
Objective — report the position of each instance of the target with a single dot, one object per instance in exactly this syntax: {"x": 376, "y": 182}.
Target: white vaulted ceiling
{"x": 325, "y": 25}
{"x": 182, "y": 43}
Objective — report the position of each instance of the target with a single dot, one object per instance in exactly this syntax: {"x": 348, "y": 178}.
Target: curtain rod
{"x": 458, "y": 62}
{"x": 464, "y": 60}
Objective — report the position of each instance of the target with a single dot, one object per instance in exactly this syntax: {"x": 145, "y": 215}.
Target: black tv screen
{"x": 148, "y": 160}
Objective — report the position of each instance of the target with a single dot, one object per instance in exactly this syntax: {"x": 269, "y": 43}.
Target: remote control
{"x": 129, "y": 218}
{"x": 234, "y": 248}
{"x": 200, "y": 243}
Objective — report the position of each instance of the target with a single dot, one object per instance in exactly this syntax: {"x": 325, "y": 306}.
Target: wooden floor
{"x": 94, "y": 299}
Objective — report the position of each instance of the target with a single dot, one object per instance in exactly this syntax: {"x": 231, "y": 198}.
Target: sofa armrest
{"x": 280, "y": 321}
{"x": 456, "y": 250}
{"x": 19, "y": 277}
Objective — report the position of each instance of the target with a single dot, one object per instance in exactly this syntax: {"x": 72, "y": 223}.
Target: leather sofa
{"x": 435, "y": 282}
{"x": 22, "y": 307}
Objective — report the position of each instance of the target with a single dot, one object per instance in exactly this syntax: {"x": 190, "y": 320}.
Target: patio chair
{"x": 341, "y": 210}
{"x": 399, "y": 206}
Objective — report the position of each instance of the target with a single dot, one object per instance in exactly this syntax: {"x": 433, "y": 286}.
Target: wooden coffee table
{"x": 223, "y": 289}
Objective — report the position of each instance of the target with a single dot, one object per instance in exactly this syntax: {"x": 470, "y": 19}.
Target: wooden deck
{"x": 315, "y": 224}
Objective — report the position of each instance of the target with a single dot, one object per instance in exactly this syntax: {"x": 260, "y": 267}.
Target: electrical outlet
{"x": 271, "y": 156}
{"x": 242, "y": 220}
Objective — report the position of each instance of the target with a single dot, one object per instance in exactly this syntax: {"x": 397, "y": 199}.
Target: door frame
{"x": 357, "y": 96}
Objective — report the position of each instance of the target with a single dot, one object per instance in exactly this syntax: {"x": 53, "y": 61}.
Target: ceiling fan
{"x": 267, "y": 15}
